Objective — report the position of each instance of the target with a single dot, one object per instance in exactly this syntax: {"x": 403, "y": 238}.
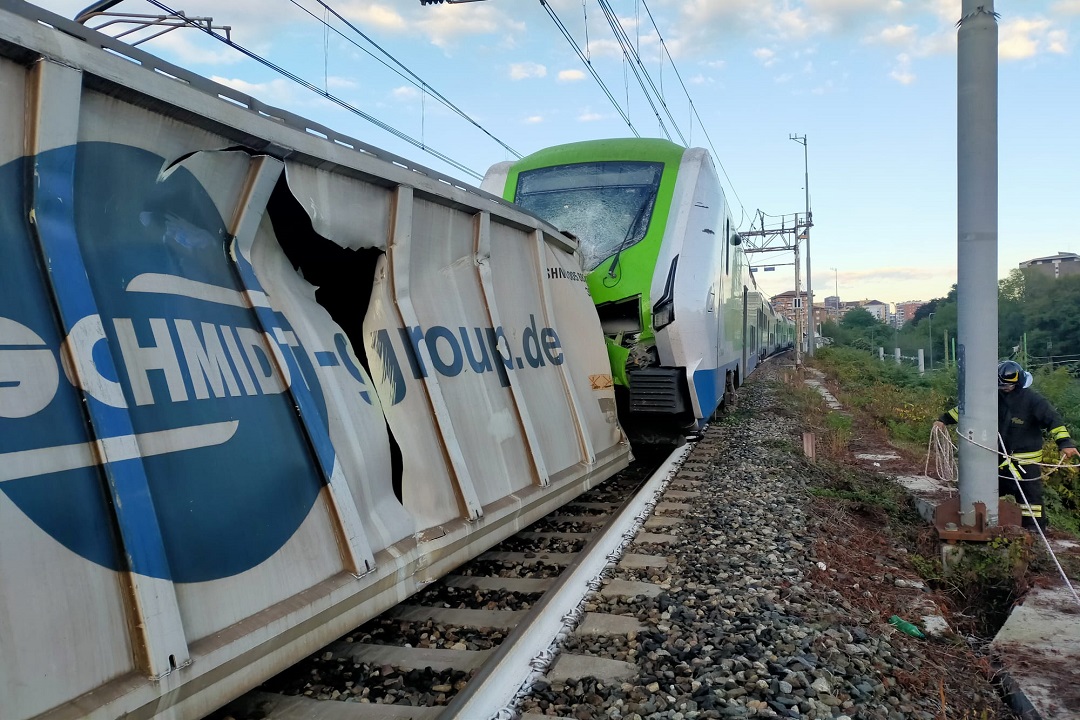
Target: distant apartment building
{"x": 848, "y": 305}
{"x": 832, "y": 306}
{"x": 876, "y": 308}
{"x": 1055, "y": 266}
{"x": 906, "y": 310}
{"x": 784, "y": 304}
{"x": 835, "y": 308}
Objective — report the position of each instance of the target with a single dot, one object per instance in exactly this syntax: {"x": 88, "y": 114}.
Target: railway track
{"x": 463, "y": 646}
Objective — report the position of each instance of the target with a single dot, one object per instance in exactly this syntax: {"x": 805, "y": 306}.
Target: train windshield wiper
{"x": 633, "y": 227}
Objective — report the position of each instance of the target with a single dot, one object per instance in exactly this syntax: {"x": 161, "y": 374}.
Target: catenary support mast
{"x": 977, "y": 240}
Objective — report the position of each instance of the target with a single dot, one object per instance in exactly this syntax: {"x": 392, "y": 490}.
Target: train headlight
{"x": 663, "y": 314}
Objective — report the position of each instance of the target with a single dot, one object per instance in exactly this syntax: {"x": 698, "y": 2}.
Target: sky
{"x": 871, "y": 84}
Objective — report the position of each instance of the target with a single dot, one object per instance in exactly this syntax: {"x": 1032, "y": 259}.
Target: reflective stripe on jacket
{"x": 1023, "y": 416}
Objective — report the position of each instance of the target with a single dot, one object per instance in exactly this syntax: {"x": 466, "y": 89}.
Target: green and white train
{"x": 682, "y": 315}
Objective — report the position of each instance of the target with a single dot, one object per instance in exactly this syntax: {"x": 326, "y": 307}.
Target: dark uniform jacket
{"x": 1023, "y": 415}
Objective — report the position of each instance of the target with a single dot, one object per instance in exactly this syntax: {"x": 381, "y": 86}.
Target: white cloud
{"x": 1066, "y": 7}
{"x": 405, "y": 92}
{"x": 939, "y": 43}
{"x": 376, "y": 15}
{"x": 446, "y": 25}
{"x": 766, "y": 56}
{"x": 947, "y": 11}
{"x": 589, "y": 117}
{"x": 525, "y": 70}
{"x": 571, "y": 75}
{"x": 784, "y": 78}
{"x": 534, "y": 119}
{"x": 1022, "y": 38}
{"x": 603, "y": 48}
{"x": 894, "y": 35}
{"x": 189, "y": 47}
{"x": 901, "y": 71}
{"x": 1057, "y": 42}
{"x": 341, "y": 83}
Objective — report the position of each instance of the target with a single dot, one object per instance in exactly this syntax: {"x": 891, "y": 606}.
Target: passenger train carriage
{"x": 682, "y": 316}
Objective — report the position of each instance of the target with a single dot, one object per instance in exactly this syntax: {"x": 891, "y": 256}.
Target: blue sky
{"x": 871, "y": 83}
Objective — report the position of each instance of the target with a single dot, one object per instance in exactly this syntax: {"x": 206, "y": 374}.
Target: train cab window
{"x": 607, "y": 205}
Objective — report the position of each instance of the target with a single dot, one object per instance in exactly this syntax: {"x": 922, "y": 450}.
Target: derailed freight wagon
{"x": 258, "y": 382}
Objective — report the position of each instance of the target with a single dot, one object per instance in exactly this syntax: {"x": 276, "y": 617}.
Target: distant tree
{"x": 859, "y": 319}
{"x": 1050, "y": 312}
{"x": 1012, "y": 287}
{"x": 1011, "y": 320}
{"x": 924, "y": 310}
{"x": 932, "y": 306}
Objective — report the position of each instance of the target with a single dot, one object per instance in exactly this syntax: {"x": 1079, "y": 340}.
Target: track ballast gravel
{"x": 748, "y": 624}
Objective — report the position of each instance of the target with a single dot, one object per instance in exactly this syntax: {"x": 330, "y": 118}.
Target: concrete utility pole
{"x": 976, "y": 256}
{"x": 809, "y": 223}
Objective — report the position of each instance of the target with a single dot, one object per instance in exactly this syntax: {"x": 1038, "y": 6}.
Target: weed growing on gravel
{"x": 865, "y": 493}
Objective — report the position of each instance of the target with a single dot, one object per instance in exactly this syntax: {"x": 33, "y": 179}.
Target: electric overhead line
{"x": 588, "y": 64}
{"x": 634, "y": 58}
{"x": 324, "y": 93}
{"x": 693, "y": 107}
{"x": 404, "y": 72}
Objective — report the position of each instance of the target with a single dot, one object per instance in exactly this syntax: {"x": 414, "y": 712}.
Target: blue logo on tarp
{"x": 204, "y": 381}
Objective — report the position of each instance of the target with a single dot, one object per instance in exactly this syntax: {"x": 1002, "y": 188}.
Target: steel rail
{"x": 512, "y": 665}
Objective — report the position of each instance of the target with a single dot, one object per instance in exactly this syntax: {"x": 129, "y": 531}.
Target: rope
{"x": 941, "y": 448}
{"x": 1023, "y": 496}
{"x": 937, "y": 447}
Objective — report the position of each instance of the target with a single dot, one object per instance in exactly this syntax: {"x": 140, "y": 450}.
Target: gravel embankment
{"x": 748, "y": 624}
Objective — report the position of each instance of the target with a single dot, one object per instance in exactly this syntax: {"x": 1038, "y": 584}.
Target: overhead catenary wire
{"x": 694, "y": 109}
{"x": 588, "y": 64}
{"x": 401, "y": 69}
{"x": 329, "y": 96}
{"x": 629, "y": 51}
{"x": 632, "y": 57}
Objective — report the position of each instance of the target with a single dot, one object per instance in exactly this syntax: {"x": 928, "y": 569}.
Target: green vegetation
{"x": 1037, "y": 323}
{"x": 906, "y": 404}
{"x": 1062, "y": 486}
{"x": 895, "y": 396}
{"x": 985, "y": 582}
{"x": 984, "y": 579}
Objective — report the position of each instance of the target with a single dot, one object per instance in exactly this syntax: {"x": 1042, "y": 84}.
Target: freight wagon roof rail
{"x": 155, "y": 64}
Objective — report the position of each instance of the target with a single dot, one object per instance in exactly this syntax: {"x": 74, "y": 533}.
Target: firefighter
{"x": 1023, "y": 416}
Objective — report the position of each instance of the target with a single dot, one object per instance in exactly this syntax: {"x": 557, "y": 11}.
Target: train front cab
{"x": 663, "y": 266}
{"x": 701, "y": 272}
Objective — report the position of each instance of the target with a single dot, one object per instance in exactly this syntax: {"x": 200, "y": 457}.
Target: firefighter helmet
{"x": 1010, "y": 373}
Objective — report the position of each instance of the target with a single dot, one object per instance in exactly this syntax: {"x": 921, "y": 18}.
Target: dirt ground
{"x": 880, "y": 556}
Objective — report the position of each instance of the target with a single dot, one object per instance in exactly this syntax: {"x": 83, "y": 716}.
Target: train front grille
{"x": 657, "y": 390}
